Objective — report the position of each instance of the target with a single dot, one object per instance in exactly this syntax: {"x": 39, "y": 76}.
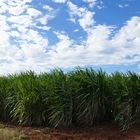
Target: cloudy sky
{"x": 41, "y": 35}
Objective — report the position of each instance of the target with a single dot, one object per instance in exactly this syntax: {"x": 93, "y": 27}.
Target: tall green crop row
{"x": 91, "y": 94}
{"x": 81, "y": 97}
{"x": 126, "y": 94}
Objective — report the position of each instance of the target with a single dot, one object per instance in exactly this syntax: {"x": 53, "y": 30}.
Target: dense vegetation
{"x": 82, "y": 97}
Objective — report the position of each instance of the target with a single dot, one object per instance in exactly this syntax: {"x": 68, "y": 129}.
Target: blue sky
{"x": 40, "y": 35}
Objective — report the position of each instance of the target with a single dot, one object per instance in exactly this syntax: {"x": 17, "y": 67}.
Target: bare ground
{"x": 105, "y": 131}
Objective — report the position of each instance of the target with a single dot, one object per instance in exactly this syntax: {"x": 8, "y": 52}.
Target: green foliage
{"x": 4, "y": 83}
{"x": 81, "y": 97}
{"x": 59, "y": 100}
{"x": 126, "y": 93}
{"x": 90, "y": 96}
{"x": 25, "y": 99}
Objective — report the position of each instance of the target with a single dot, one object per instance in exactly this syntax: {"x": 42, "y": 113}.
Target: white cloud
{"x": 46, "y": 7}
{"x": 102, "y": 47}
{"x": 76, "y": 30}
{"x": 82, "y": 15}
{"x": 45, "y": 18}
{"x": 123, "y": 5}
{"x": 99, "y": 48}
{"x": 32, "y": 12}
{"x": 45, "y": 28}
{"x": 91, "y": 3}
{"x": 23, "y": 47}
{"x": 59, "y": 1}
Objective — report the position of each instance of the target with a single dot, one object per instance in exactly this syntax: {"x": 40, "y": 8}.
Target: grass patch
{"x": 10, "y": 134}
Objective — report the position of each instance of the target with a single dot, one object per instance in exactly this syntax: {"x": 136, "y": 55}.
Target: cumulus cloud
{"x": 100, "y": 48}
{"x": 24, "y": 47}
{"x": 103, "y": 46}
{"x": 82, "y": 15}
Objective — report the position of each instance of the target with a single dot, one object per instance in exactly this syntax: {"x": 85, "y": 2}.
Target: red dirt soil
{"x": 99, "y": 132}
{"x": 105, "y": 131}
